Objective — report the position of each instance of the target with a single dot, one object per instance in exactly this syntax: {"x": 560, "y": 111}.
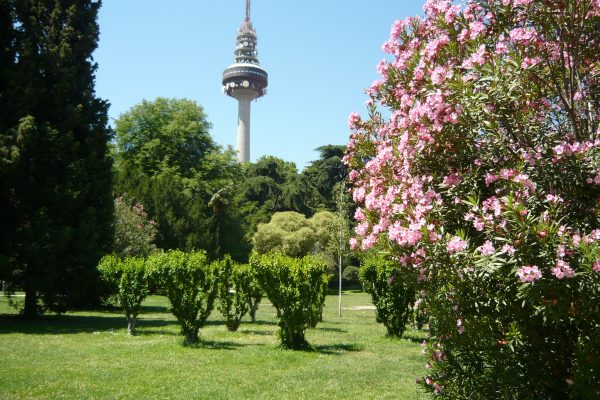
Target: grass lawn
{"x": 89, "y": 355}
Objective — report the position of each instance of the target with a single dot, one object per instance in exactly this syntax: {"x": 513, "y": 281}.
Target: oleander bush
{"x": 483, "y": 177}
{"x": 392, "y": 291}
{"x": 129, "y": 279}
{"x": 190, "y": 282}
{"x": 295, "y": 287}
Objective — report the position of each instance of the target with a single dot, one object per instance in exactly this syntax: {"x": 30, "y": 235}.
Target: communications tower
{"x": 245, "y": 80}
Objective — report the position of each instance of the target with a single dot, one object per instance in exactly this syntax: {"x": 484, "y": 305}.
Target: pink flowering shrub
{"x": 483, "y": 179}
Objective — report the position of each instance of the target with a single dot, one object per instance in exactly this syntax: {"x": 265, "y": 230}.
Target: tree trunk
{"x": 31, "y": 307}
{"x": 130, "y": 325}
{"x": 191, "y": 337}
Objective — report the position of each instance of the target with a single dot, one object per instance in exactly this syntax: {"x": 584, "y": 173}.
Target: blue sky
{"x": 320, "y": 56}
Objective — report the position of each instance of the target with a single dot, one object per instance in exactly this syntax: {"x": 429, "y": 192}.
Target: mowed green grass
{"x": 88, "y": 355}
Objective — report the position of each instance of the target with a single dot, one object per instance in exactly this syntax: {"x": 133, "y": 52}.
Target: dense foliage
{"x": 235, "y": 283}
{"x": 190, "y": 282}
{"x": 326, "y": 174}
{"x": 392, "y": 292}
{"x": 293, "y": 234}
{"x": 166, "y": 159}
{"x": 484, "y": 181}
{"x": 296, "y": 287}
{"x": 128, "y": 278}
{"x": 134, "y": 233}
{"x": 55, "y": 179}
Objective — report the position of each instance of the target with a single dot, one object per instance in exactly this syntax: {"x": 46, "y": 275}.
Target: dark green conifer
{"x": 57, "y": 190}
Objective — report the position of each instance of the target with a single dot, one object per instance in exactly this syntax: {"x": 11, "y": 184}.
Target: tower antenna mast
{"x": 245, "y": 80}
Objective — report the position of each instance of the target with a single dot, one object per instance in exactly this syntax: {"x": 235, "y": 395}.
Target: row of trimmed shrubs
{"x": 295, "y": 286}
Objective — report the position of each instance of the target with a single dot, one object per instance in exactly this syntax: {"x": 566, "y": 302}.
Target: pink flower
{"x": 490, "y": 178}
{"x": 487, "y": 249}
{"x": 368, "y": 242}
{"x": 361, "y": 229}
{"x": 455, "y": 245}
{"x": 452, "y": 180}
{"x": 528, "y": 274}
{"x": 550, "y": 198}
{"x": 596, "y": 267}
{"x": 353, "y": 120}
{"x": 562, "y": 270}
{"x": 478, "y": 224}
{"x": 508, "y": 249}
{"x": 559, "y": 149}
{"x": 475, "y": 28}
{"x": 359, "y": 194}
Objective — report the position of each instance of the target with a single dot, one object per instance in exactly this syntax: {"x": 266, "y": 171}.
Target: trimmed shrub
{"x": 190, "y": 282}
{"x": 128, "y": 278}
{"x": 296, "y": 288}
{"x": 254, "y": 294}
{"x": 392, "y": 292}
{"x": 234, "y": 281}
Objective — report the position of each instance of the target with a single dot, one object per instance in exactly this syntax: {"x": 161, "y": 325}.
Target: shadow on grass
{"x": 259, "y": 323}
{"x": 412, "y": 338}
{"x": 338, "y": 330}
{"x": 336, "y": 349}
{"x": 71, "y": 324}
{"x": 154, "y": 309}
{"x": 255, "y": 332}
{"x": 214, "y": 345}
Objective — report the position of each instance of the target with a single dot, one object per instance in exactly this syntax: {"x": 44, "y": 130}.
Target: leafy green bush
{"x": 128, "y": 278}
{"x": 235, "y": 281}
{"x": 295, "y": 287}
{"x": 391, "y": 291}
{"x": 190, "y": 282}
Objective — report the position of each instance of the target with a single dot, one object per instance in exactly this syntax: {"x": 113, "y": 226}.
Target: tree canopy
{"x": 166, "y": 159}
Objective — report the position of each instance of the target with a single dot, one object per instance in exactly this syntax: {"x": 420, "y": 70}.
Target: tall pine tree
{"x": 56, "y": 172}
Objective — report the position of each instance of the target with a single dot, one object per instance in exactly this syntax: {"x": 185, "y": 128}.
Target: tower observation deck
{"x": 245, "y": 80}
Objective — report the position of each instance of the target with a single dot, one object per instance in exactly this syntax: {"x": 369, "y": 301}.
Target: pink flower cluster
{"x": 562, "y": 270}
{"x": 487, "y": 249}
{"x": 529, "y": 273}
{"x": 456, "y": 245}
{"x": 402, "y": 201}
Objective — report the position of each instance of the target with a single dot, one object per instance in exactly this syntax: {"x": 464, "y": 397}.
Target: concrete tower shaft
{"x": 245, "y": 81}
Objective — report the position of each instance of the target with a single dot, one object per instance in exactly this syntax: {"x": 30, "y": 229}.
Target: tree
{"x": 273, "y": 185}
{"x": 128, "y": 278}
{"x": 190, "y": 281}
{"x": 484, "y": 179}
{"x": 296, "y": 287}
{"x": 167, "y": 160}
{"x": 291, "y": 233}
{"x": 55, "y": 168}
{"x": 327, "y": 172}
{"x": 235, "y": 291}
{"x": 391, "y": 292}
